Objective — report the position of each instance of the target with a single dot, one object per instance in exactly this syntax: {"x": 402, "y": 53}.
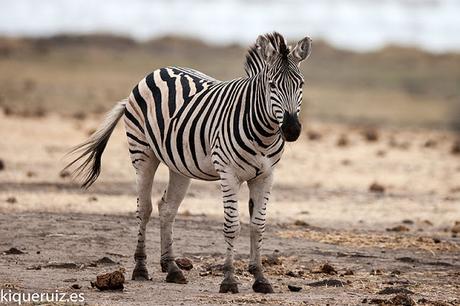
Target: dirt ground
{"x": 378, "y": 205}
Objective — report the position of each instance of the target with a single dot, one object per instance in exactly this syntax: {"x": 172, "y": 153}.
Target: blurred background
{"x": 391, "y": 62}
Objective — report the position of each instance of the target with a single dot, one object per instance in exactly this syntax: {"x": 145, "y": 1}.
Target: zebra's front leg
{"x": 259, "y": 193}
{"x": 167, "y": 207}
{"x": 230, "y": 187}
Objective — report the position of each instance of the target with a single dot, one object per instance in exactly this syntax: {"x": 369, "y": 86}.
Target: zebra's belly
{"x": 200, "y": 168}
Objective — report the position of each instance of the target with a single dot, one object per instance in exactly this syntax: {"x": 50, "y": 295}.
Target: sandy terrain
{"x": 321, "y": 186}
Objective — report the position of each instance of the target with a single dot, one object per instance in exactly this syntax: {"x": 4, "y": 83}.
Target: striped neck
{"x": 262, "y": 125}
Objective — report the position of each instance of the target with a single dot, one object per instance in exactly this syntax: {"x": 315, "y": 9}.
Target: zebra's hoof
{"x": 262, "y": 286}
{"x": 176, "y": 276}
{"x": 140, "y": 274}
{"x": 228, "y": 287}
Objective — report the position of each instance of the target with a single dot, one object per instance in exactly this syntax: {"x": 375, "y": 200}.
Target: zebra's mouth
{"x": 291, "y": 127}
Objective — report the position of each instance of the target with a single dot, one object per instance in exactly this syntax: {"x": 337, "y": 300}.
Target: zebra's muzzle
{"x": 291, "y": 127}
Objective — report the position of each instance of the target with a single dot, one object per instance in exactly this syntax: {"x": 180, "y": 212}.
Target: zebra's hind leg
{"x": 230, "y": 187}
{"x": 167, "y": 208}
{"x": 259, "y": 193}
{"x": 146, "y": 165}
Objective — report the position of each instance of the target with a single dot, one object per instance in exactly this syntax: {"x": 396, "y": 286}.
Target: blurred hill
{"x": 78, "y": 75}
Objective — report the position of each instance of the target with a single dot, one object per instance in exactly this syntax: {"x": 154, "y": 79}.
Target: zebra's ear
{"x": 302, "y": 50}
{"x": 266, "y": 49}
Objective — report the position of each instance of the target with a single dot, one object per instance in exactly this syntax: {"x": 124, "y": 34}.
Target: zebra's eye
{"x": 271, "y": 84}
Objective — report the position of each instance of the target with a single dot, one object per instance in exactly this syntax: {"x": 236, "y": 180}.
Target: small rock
{"x": 399, "y": 228}
{"x": 349, "y": 272}
{"x": 79, "y": 115}
{"x": 407, "y": 221}
{"x": 205, "y": 273}
{"x": 376, "y": 272}
{"x": 407, "y": 259}
{"x": 381, "y": 153}
{"x": 399, "y": 145}
{"x": 326, "y": 269}
{"x": 424, "y": 301}
{"x": 70, "y": 280}
{"x": 376, "y": 188}
{"x": 7, "y": 111}
{"x": 11, "y": 200}
{"x": 395, "y": 290}
{"x": 400, "y": 300}
{"x": 403, "y": 300}
{"x": 430, "y": 143}
{"x": 2, "y": 165}
{"x": 184, "y": 263}
{"x": 371, "y": 135}
{"x": 294, "y": 288}
{"x": 34, "y": 267}
{"x": 64, "y": 174}
{"x": 455, "y": 147}
{"x": 292, "y": 274}
{"x": 92, "y": 199}
{"x": 342, "y": 141}
{"x": 313, "y": 135}
{"x": 31, "y": 174}
{"x": 271, "y": 260}
{"x": 327, "y": 283}
{"x": 61, "y": 265}
{"x": 105, "y": 261}
{"x": 377, "y": 301}
{"x": 75, "y": 286}
{"x": 395, "y": 273}
{"x": 13, "y": 251}
{"x": 301, "y": 223}
{"x": 427, "y": 222}
{"x": 214, "y": 268}
{"x": 456, "y": 228}
{"x": 455, "y": 189}
{"x": 186, "y": 213}
{"x": 436, "y": 240}
{"x": 109, "y": 281}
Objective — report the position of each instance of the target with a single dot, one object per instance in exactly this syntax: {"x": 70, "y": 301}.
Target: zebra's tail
{"x": 88, "y": 161}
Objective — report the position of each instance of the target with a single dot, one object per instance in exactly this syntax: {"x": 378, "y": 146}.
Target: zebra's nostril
{"x": 291, "y": 127}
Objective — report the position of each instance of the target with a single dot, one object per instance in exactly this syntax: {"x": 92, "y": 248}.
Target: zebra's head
{"x": 284, "y": 80}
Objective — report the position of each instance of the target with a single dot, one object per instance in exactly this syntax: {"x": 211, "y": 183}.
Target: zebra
{"x": 202, "y": 128}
